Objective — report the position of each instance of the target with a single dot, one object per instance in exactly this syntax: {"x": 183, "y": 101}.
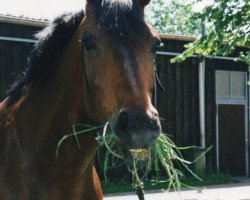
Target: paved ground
{"x": 238, "y": 191}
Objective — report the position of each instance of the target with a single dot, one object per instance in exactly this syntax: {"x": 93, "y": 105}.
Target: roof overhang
{"x": 177, "y": 37}
{"x": 23, "y": 21}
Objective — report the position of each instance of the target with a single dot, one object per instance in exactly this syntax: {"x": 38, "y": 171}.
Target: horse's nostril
{"x": 152, "y": 126}
{"x": 126, "y": 121}
{"x": 123, "y": 121}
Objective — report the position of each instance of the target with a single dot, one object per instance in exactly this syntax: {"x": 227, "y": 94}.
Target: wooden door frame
{"x": 245, "y": 103}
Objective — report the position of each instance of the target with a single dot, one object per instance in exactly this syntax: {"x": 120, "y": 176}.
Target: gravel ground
{"x": 237, "y": 191}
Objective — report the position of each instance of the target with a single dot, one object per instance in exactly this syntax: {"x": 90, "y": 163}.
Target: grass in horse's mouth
{"x": 140, "y": 154}
{"x": 163, "y": 151}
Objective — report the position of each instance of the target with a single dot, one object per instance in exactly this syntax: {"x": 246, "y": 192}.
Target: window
{"x": 231, "y": 85}
{"x": 223, "y": 85}
{"x": 238, "y": 82}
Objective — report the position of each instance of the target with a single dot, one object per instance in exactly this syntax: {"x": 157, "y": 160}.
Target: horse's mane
{"x": 51, "y": 42}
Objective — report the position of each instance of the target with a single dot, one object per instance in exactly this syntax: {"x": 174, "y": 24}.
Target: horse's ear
{"x": 143, "y": 3}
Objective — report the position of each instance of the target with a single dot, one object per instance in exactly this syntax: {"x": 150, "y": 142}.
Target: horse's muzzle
{"x": 136, "y": 128}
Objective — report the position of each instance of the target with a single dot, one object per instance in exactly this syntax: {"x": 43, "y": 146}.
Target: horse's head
{"x": 118, "y": 49}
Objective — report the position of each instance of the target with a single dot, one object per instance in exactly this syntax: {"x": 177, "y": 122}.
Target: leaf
{"x": 229, "y": 23}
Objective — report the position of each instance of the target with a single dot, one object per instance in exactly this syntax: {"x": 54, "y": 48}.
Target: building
{"x": 206, "y": 102}
{"x": 16, "y": 42}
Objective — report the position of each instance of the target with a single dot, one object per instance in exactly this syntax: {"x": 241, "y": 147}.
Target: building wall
{"x": 179, "y": 105}
{"x": 17, "y": 30}
{"x": 13, "y": 55}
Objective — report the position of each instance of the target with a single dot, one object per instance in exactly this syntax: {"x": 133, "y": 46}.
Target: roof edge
{"x": 177, "y": 37}
{"x": 23, "y": 21}
{"x": 44, "y": 23}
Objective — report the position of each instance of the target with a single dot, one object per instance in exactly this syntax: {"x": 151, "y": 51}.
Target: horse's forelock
{"x": 120, "y": 17}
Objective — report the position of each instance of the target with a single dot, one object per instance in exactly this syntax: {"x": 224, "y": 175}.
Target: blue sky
{"x": 50, "y": 8}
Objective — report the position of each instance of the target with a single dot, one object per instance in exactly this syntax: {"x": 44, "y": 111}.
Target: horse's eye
{"x": 89, "y": 44}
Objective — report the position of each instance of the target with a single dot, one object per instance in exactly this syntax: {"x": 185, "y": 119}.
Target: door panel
{"x": 232, "y": 158}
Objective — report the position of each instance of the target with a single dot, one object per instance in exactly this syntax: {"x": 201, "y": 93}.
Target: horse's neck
{"x": 57, "y": 104}
{"x": 47, "y": 113}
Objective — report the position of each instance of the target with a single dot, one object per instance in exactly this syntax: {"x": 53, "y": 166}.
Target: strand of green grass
{"x": 176, "y": 155}
{"x": 74, "y": 134}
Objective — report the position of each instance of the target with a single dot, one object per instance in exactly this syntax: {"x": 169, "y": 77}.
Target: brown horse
{"x": 88, "y": 67}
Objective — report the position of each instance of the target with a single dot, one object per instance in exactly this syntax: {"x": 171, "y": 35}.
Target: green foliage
{"x": 171, "y": 17}
{"x": 229, "y": 22}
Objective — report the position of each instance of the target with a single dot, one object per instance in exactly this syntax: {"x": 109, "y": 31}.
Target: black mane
{"x": 51, "y": 42}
